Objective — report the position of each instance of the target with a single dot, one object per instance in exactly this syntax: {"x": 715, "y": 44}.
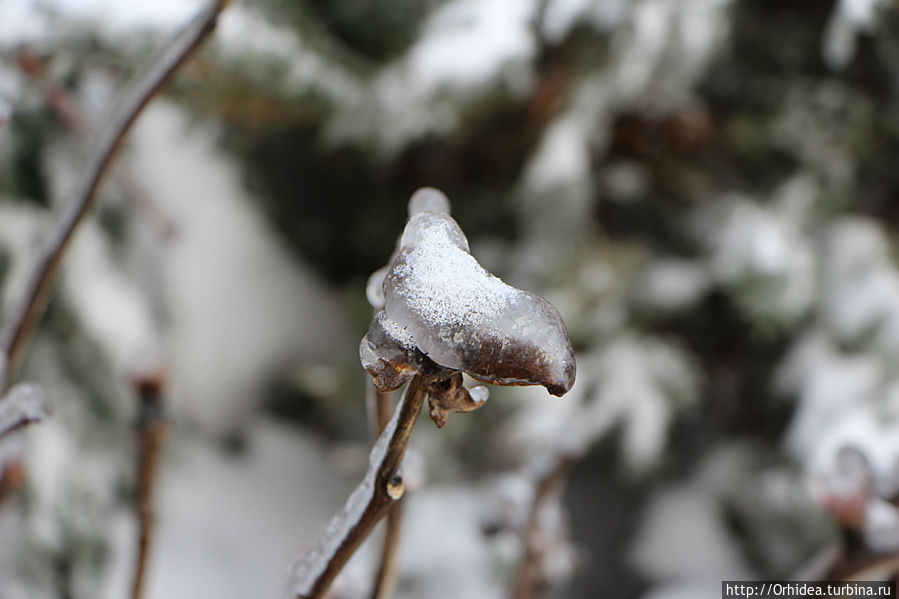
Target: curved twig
{"x": 17, "y": 329}
{"x": 70, "y": 114}
{"x": 380, "y": 488}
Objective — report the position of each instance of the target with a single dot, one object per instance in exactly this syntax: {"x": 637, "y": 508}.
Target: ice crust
{"x": 459, "y": 315}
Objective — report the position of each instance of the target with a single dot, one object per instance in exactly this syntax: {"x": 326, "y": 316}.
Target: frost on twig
{"x": 442, "y": 311}
{"x": 22, "y": 405}
{"x": 379, "y": 489}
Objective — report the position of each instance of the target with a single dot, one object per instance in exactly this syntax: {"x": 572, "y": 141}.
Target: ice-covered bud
{"x": 439, "y": 302}
{"x": 389, "y": 354}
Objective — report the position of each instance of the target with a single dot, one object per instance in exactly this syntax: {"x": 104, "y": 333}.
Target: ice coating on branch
{"x": 316, "y": 561}
{"x": 429, "y": 199}
{"x": 459, "y": 316}
{"x": 389, "y": 354}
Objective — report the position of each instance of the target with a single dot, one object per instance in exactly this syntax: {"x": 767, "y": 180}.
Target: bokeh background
{"x": 706, "y": 189}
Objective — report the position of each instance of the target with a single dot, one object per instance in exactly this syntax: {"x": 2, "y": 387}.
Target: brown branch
{"x": 385, "y": 579}
{"x": 70, "y": 114}
{"x": 17, "y": 329}
{"x": 380, "y": 488}
{"x": 151, "y": 430}
{"x": 530, "y": 576}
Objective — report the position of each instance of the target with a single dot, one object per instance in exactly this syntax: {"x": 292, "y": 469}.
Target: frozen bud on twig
{"x": 442, "y": 310}
{"x": 389, "y": 353}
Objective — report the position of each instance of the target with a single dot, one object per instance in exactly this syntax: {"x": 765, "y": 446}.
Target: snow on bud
{"x": 443, "y": 310}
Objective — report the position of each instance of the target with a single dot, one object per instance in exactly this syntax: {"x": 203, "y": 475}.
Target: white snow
{"x": 762, "y": 253}
{"x": 562, "y": 15}
{"x": 238, "y": 304}
{"x": 466, "y": 42}
{"x": 637, "y": 383}
{"x": 881, "y": 526}
{"x": 244, "y": 34}
{"x": 22, "y": 230}
{"x": 563, "y": 155}
{"x": 683, "y": 536}
{"x": 112, "y": 307}
{"x": 848, "y": 19}
{"x": 213, "y": 538}
{"x": 26, "y": 21}
{"x": 829, "y": 386}
{"x": 669, "y": 285}
{"x": 860, "y": 284}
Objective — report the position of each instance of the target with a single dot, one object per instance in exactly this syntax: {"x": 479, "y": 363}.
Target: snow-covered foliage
{"x": 636, "y": 384}
{"x": 763, "y": 254}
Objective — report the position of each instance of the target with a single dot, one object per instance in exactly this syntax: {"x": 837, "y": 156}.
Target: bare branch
{"x": 385, "y": 578}
{"x": 151, "y": 430}
{"x": 380, "y": 488}
{"x": 17, "y": 329}
{"x": 23, "y": 405}
{"x": 68, "y": 112}
{"x": 551, "y": 482}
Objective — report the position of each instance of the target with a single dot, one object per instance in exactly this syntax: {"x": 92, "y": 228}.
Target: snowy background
{"x": 705, "y": 189}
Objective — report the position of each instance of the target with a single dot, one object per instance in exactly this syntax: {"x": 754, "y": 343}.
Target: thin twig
{"x": 380, "y": 488}
{"x": 151, "y": 429}
{"x": 70, "y": 114}
{"x": 530, "y": 575}
{"x": 17, "y": 329}
{"x": 385, "y": 579}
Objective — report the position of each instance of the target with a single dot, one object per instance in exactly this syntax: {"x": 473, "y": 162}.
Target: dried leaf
{"x": 450, "y": 395}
